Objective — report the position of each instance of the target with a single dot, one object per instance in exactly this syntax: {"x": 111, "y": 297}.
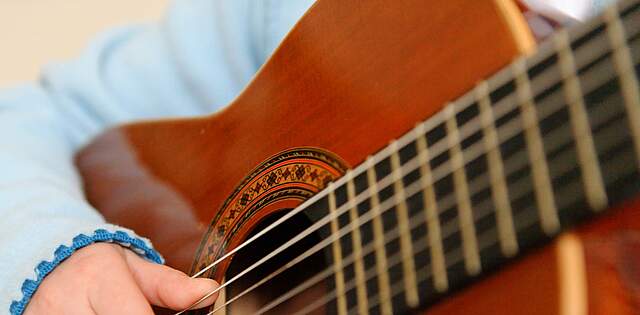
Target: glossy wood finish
{"x": 351, "y": 76}
{"x": 527, "y": 287}
{"x": 532, "y": 285}
{"x": 612, "y": 253}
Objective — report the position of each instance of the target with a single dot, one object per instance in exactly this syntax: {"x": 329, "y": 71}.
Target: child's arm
{"x": 194, "y": 61}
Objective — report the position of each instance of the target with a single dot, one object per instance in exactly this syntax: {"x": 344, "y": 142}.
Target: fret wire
{"x": 402, "y": 212}
{"x": 473, "y": 153}
{"x": 624, "y": 66}
{"x": 500, "y": 194}
{"x": 291, "y": 293}
{"x": 465, "y": 215}
{"x": 396, "y": 289}
{"x": 369, "y": 216}
{"x": 503, "y": 107}
{"x": 484, "y": 240}
{"x": 587, "y": 158}
{"x": 422, "y": 245}
{"x": 336, "y": 248}
{"x": 371, "y": 247}
{"x": 440, "y": 281}
{"x": 537, "y": 157}
{"x": 627, "y": 6}
{"x": 378, "y": 156}
{"x": 378, "y": 237}
{"x": 449, "y": 228}
{"x": 394, "y": 260}
{"x": 389, "y": 236}
{"x": 544, "y": 50}
{"x": 385, "y": 182}
{"x": 361, "y": 288}
{"x": 379, "y": 245}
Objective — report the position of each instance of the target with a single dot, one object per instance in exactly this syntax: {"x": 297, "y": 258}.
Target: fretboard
{"x": 548, "y": 142}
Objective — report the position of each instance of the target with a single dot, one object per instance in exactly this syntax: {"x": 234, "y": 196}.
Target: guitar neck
{"x": 548, "y": 142}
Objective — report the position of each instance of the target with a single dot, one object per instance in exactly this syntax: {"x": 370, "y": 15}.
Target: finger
{"x": 166, "y": 287}
{"x": 119, "y": 294}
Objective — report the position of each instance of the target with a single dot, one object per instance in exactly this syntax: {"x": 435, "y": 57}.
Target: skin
{"x": 105, "y": 279}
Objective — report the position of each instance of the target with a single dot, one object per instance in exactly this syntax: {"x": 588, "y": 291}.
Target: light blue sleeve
{"x": 192, "y": 62}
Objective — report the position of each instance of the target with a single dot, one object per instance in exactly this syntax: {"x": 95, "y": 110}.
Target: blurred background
{"x": 36, "y": 32}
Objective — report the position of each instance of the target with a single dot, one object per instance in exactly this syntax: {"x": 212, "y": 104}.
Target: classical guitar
{"x": 399, "y": 157}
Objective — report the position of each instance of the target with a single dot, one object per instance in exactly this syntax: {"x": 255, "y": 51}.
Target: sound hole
{"x": 284, "y": 282}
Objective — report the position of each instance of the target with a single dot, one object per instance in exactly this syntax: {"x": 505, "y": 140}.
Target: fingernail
{"x": 207, "y": 287}
{"x": 209, "y": 282}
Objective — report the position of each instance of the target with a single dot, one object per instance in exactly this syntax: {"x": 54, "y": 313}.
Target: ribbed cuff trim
{"x": 136, "y": 244}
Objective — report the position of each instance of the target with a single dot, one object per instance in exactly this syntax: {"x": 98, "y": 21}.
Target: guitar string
{"x": 393, "y": 261}
{"x": 467, "y": 130}
{"x": 389, "y": 236}
{"x": 482, "y": 210}
{"x": 544, "y": 50}
{"x": 445, "y": 203}
{"x": 432, "y": 121}
{"x": 526, "y": 220}
{"x": 398, "y": 286}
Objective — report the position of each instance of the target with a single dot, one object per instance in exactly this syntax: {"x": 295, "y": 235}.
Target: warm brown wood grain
{"x": 350, "y": 77}
{"x": 612, "y": 253}
{"x": 527, "y": 287}
{"x": 531, "y": 286}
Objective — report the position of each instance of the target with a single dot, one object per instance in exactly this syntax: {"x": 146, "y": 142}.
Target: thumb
{"x": 167, "y": 287}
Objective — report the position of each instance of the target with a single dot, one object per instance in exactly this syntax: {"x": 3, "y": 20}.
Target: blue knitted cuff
{"x": 63, "y": 252}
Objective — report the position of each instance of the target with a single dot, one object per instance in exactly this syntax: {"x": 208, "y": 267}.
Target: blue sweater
{"x": 192, "y": 62}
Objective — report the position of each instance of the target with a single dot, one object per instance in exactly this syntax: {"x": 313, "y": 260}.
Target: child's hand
{"x": 106, "y": 279}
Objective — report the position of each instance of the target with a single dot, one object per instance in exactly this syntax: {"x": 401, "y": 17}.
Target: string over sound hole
{"x": 248, "y": 299}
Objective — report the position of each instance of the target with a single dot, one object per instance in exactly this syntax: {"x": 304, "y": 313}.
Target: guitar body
{"x": 349, "y": 78}
{"x": 592, "y": 270}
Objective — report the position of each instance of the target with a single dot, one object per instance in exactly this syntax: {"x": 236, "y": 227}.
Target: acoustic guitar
{"x": 402, "y": 156}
